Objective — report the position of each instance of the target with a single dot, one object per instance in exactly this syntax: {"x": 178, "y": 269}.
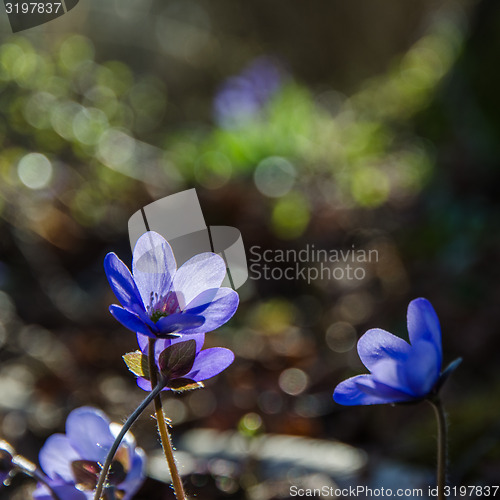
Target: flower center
{"x": 163, "y": 305}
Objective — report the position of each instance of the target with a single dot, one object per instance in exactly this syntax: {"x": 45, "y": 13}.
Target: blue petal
{"x": 130, "y": 320}
{"x": 88, "y": 432}
{"x": 63, "y": 491}
{"x": 136, "y": 475}
{"x": 199, "y": 339}
{"x": 202, "y": 272}
{"x": 122, "y": 283}
{"x": 179, "y": 323}
{"x": 162, "y": 344}
{"x": 423, "y": 324}
{"x": 390, "y": 372}
{"x": 145, "y": 385}
{"x": 363, "y": 390}
{"x": 210, "y": 362}
{"x": 143, "y": 341}
{"x": 153, "y": 265}
{"x": 370, "y": 385}
{"x": 216, "y": 305}
{"x": 422, "y": 368}
{"x": 56, "y": 456}
{"x": 377, "y": 344}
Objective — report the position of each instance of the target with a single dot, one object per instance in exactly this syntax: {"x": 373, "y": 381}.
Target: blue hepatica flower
{"x": 205, "y": 363}
{"x": 241, "y": 98}
{"x": 72, "y": 461}
{"x": 158, "y": 299}
{"x": 400, "y": 371}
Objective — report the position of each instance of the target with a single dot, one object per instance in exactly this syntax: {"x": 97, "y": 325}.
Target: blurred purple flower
{"x": 158, "y": 299}
{"x": 242, "y": 97}
{"x": 207, "y": 362}
{"x": 400, "y": 371}
{"x": 72, "y": 461}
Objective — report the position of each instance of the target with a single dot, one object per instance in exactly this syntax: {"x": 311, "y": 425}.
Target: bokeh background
{"x": 371, "y": 123}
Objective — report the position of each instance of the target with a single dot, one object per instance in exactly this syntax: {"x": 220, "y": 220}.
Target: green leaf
{"x": 137, "y": 363}
{"x": 177, "y": 360}
{"x": 185, "y": 385}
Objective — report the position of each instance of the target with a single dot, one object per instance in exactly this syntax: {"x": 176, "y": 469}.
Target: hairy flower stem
{"x": 30, "y": 469}
{"x": 126, "y": 426}
{"x": 442, "y": 446}
{"x": 166, "y": 441}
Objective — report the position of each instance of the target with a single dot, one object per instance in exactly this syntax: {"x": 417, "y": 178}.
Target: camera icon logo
{"x": 179, "y": 219}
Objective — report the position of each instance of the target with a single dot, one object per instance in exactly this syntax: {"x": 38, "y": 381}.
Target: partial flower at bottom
{"x": 72, "y": 461}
